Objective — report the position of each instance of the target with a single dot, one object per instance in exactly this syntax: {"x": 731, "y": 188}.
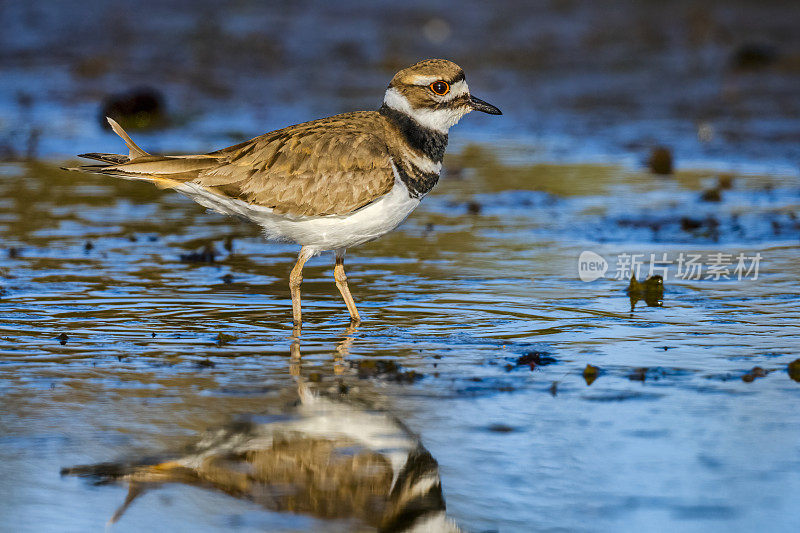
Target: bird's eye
{"x": 440, "y": 87}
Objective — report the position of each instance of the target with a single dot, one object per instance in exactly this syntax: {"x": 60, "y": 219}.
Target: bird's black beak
{"x": 486, "y": 107}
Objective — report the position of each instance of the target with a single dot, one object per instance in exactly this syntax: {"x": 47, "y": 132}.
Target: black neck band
{"x": 428, "y": 141}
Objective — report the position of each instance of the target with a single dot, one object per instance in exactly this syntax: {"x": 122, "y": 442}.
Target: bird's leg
{"x": 295, "y": 357}
{"x": 295, "y": 279}
{"x": 341, "y": 284}
{"x": 343, "y": 349}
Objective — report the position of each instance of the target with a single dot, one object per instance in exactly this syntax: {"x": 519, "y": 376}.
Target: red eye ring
{"x": 440, "y": 87}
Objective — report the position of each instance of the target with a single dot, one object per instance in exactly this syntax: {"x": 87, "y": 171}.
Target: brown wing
{"x": 331, "y": 166}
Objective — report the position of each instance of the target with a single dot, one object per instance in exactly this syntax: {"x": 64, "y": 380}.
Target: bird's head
{"x": 435, "y": 94}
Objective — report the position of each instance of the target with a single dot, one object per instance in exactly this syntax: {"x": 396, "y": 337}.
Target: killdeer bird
{"x": 329, "y": 457}
{"x": 328, "y": 184}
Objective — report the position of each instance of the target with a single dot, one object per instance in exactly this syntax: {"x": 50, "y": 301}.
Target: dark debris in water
{"x": 140, "y": 108}
{"x": 623, "y": 396}
{"x": 660, "y": 160}
{"x": 207, "y": 255}
{"x": 474, "y": 208}
{"x": 755, "y": 372}
{"x": 753, "y": 56}
{"x": 385, "y": 369}
{"x": 63, "y": 338}
{"x": 725, "y": 182}
{"x": 499, "y": 427}
{"x": 650, "y": 290}
{"x": 590, "y": 374}
{"x": 14, "y": 252}
{"x": 647, "y": 374}
{"x": 227, "y": 278}
{"x": 534, "y": 359}
{"x": 711, "y": 195}
{"x": 224, "y": 338}
{"x": 793, "y": 369}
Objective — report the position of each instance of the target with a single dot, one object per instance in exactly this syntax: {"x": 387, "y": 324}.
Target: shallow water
{"x": 668, "y": 434}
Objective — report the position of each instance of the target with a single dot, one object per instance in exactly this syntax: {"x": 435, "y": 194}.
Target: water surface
{"x": 476, "y": 336}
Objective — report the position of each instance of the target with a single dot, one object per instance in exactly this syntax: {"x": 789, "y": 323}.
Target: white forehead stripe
{"x": 425, "y": 80}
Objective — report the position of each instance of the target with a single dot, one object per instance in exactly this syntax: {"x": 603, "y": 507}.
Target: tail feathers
{"x": 135, "y": 151}
{"x": 114, "y": 159}
{"x": 158, "y": 181}
{"x": 139, "y": 478}
{"x": 134, "y": 491}
{"x": 103, "y": 473}
{"x": 165, "y": 172}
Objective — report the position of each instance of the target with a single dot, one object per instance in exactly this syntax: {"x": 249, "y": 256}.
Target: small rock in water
{"x": 534, "y": 359}
{"x": 590, "y": 374}
{"x": 711, "y": 195}
{"x": 794, "y": 370}
{"x": 88, "y": 246}
{"x": 224, "y": 338}
{"x": 138, "y": 109}
{"x": 205, "y": 363}
{"x": 689, "y": 224}
{"x": 385, "y": 369}
{"x": 227, "y": 278}
{"x": 500, "y": 428}
{"x": 725, "y": 181}
{"x": 660, "y": 161}
{"x": 207, "y": 255}
{"x": 473, "y": 208}
{"x": 703, "y": 228}
{"x": 650, "y": 290}
{"x": 756, "y": 372}
{"x": 14, "y": 253}
{"x": 63, "y": 338}
{"x": 751, "y": 56}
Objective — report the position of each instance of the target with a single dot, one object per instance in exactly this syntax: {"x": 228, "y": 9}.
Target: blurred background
{"x": 133, "y": 322}
{"x": 716, "y": 81}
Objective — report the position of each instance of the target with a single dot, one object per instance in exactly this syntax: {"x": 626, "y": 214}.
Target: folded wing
{"x": 331, "y": 166}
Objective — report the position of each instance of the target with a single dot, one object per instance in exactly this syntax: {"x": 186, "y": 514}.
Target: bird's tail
{"x": 134, "y": 151}
{"x": 139, "y": 477}
{"x": 163, "y": 171}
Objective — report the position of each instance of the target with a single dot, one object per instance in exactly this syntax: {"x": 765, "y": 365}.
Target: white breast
{"x": 320, "y": 233}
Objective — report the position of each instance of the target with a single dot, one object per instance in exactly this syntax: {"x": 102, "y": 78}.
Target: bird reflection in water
{"x": 332, "y": 455}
